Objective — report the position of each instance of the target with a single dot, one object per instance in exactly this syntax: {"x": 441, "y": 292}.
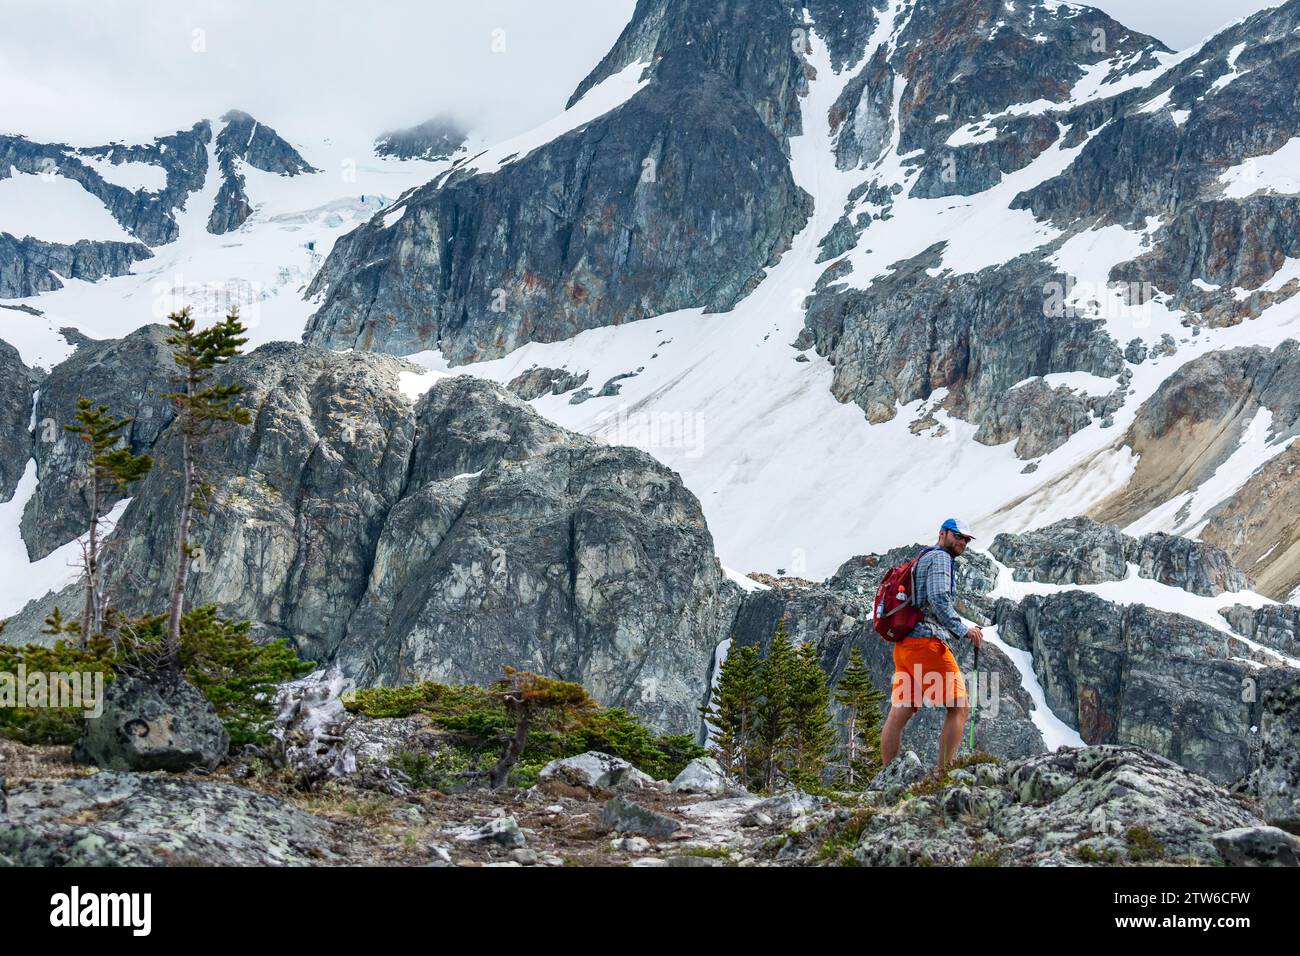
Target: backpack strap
{"x": 952, "y": 588}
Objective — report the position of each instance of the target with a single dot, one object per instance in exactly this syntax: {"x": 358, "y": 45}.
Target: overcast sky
{"x": 87, "y": 71}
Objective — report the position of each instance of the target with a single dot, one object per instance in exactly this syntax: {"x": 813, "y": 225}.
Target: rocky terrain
{"x": 1104, "y": 805}
{"x": 29, "y": 266}
{"x": 628, "y": 216}
{"x": 439, "y": 539}
{"x": 1013, "y": 260}
{"x": 439, "y": 138}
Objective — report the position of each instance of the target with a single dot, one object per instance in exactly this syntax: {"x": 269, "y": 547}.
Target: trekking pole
{"x": 974, "y": 700}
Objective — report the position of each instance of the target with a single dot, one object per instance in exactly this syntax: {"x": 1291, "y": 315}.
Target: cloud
{"x": 87, "y": 73}
{"x": 1180, "y": 23}
{"x": 120, "y": 69}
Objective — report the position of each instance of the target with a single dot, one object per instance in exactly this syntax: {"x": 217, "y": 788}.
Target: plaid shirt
{"x": 935, "y": 588}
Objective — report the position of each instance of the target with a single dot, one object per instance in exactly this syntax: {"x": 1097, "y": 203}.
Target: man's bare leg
{"x": 950, "y": 736}
{"x": 892, "y": 731}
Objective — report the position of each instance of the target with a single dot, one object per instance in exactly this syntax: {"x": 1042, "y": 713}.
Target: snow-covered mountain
{"x": 845, "y": 268}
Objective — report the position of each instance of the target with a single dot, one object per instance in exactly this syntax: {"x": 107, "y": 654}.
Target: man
{"x": 924, "y": 669}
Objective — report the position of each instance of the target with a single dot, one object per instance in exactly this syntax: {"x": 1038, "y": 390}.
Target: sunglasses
{"x": 964, "y": 537}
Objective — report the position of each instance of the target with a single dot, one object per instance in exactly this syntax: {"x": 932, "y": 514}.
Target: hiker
{"x": 924, "y": 669}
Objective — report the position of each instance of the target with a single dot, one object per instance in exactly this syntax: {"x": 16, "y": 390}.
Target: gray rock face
{"x": 439, "y": 541}
{"x": 627, "y": 216}
{"x": 1192, "y": 424}
{"x": 1191, "y": 565}
{"x": 1258, "y": 846}
{"x": 592, "y": 772}
{"x": 130, "y": 376}
{"x": 1135, "y": 675}
{"x": 150, "y": 216}
{"x": 1274, "y": 777}
{"x": 750, "y": 44}
{"x": 17, "y": 384}
{"x": 555, "y": 552}
{"x": 302, "y": 495}
{"x": 129, "y": 819}
{"x": 244, "y": 139}
{"x": 1048, "y": 808}
{"x": 1084, "y": 551}
{"x": 160, "y": 724}
{"x": 26, "y": 626}
{"x": 29, "y": 266}
{"x": 1116, "y": 174}
{"x": 701, "y": 775}
{"x": 538, "y": 381}
{"x": 903, "y": 771}
{"x": 1228, "y": 243}
{"x": 1073, "y": 551}
{"x": 1275, "y": 625}
{"x": 968, "y": 337}
{"x": 1038, "y": 417}
{"x": 439, "y": 138}
{"x": 623, "y": 816}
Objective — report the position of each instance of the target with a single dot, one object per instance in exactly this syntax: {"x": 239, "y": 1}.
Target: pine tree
{"x": 110, "y": 468}
{"x": 859, "y": 696}
{"x": 204, "y": 407}
{"x": 733, "y": 711}
{"x": 812, "y": 733}
{"x": 773, "y": 725}
{"x": 56, "y": 626}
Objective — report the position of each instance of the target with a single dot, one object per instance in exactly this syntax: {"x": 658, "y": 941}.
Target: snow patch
{"x": 133, "y": 174}
{"x": 21, "y": 580}
{"x": 1276, "y": 172}
{"x": 54, "y": 208}
{"x": 607, "y": 95}
{"x": 746, "y": 584}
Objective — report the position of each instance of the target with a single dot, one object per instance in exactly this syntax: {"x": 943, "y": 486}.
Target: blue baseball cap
{"x": 958, "y": 526}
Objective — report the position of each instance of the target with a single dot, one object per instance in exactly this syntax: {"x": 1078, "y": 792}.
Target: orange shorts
{"x": 926, "y": 673}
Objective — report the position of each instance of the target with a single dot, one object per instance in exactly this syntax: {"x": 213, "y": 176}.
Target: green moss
{"x": 844, "y": 837}
{"x": 971, "y": 760}
{"x": 1143, "y": 845}
{"x": 991, "y": 858}
{"x": 936, "y": 781}
{"x": 1089, "y": 855}
{"x": 710, "y": 852}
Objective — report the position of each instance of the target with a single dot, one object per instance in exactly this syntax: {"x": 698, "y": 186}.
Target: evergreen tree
{"x": 110, "y": 468}
{"x": 859, "y": 696}
{"x": 56, "y": 626}
{"x": 204, "y": 407}
{"x": 812, "y": 733}
{"x": 772, "y": 728}
{"x": 733, "y": 711}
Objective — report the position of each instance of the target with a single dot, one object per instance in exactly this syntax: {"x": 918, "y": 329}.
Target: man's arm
{"x": 938, "y": 586}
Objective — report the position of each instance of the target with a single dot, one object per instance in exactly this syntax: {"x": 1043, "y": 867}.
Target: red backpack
{"x": 893, "y": 612}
